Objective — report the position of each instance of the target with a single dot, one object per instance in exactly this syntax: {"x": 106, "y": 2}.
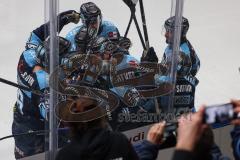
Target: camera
{"x": 220, "y": 114}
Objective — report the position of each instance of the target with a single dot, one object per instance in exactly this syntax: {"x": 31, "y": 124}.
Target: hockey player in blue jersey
{"x": 187, "y": 67}
{"x": 189, "y": 62}
{"x": 92, "y": 26}
{"x": 30, "y": 110}
{"x": 120, "y": 75}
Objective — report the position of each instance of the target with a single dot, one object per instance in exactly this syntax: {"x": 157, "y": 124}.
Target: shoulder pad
{"x": 33, "y": 41}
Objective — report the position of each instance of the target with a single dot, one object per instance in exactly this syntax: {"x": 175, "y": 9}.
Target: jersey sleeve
{"x": 42, "y": 78}
{"x": 195, "y": 65}
{"x": 26, "y": 64}
{"x": 71, "y": 37}
{"x": 42, "y": 84}
{"x": 184, "y": 61}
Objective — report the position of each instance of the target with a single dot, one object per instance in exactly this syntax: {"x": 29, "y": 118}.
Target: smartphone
{"x": 220, "y": 114}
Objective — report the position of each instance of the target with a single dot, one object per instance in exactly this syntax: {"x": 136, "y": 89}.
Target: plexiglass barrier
{"x": 197, "y": 63}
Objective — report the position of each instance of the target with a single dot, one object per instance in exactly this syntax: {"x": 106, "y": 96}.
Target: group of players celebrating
{"x": 94, "y": 61}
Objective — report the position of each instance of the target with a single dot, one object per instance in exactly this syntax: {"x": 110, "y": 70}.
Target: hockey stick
{"x": 37, "y": 133}
{"x": 132, "y": 6}
{"x": 139, "y": 32}
{"x": 147, "y": 44}
{"x": 144, "y": 26}
{"x": 20, "y": 86}
{"x": 128, "y": 27}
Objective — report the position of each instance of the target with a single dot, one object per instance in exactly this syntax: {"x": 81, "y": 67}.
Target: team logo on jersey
{"x": 133, "y": 63}
{"x": 112, "y": 35}
{"x": 21, "y": 66}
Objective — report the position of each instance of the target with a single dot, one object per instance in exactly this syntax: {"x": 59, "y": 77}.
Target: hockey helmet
{"x": 102, "y": 45}
{"x": 170, "y": 23}
{"x": 91, "y": 18}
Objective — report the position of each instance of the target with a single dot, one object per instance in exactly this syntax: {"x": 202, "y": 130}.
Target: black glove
{"x": 69, "y": 16}
{"x": 151, "y": 56}
{"x": 63, "y": 19}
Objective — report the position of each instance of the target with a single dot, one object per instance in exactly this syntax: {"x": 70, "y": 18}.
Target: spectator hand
{"x": 151, "y": 56}
{"x": 69, "y": 16}
{"x": 236, "y": 104}
{"x": 190, "y": 129}
{"x": 155, "y": 133}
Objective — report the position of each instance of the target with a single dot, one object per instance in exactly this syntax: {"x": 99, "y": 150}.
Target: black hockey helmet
{"x": 91, "y": 17}
{"x": 170, "y": 22}
{"x": 42, "y": 50}
{"x": 101, "y": 45}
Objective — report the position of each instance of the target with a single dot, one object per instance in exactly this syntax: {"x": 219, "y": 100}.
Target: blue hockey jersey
{"x": 30, "y": 104}
{"x": 107, "y": 29}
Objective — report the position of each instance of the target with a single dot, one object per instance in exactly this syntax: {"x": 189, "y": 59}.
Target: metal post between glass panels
{"x": 177, "y": 9}
{"x": 53, "y": 130}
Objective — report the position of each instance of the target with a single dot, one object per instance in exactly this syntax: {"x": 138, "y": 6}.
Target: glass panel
{"x": 208, "y": 33}
{"x": 139, "y": 85}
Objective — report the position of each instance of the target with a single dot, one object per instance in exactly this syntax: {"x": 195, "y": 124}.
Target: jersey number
{"x": 20, "y": 100}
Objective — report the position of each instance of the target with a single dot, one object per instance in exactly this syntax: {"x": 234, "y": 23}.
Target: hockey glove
{"x": 151, "y": 56}
{"x": 69, "y": 16}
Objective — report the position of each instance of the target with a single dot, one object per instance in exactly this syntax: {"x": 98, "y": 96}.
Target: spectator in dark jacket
{"x": 93, "y": 141}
